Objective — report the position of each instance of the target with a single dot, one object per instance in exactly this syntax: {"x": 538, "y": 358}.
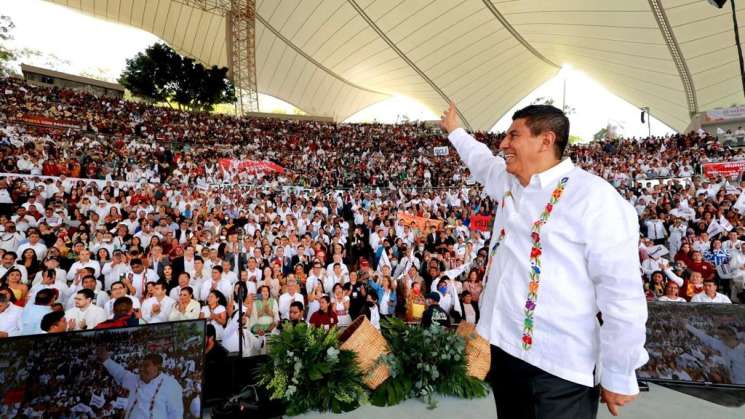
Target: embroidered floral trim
{"x": 535, "y": 264}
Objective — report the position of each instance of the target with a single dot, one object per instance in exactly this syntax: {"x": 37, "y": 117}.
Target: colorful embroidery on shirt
{"x": 535, "y": 264}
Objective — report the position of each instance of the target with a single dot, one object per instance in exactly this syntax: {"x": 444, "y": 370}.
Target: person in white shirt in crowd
{"x": 10, "y": 239}
{"x": 85, "y": 314}
{"x": 10, "y": 314}
{"x": 656, "y": 229}
{"x": 51, "y": 262}
{"x": 672, "y": 290}
{"x": 289, "y": 297}
{"x": 541, "y": 193}
{"x": 157, "y": 308}
{"x": 215, "y": 311}
{"x": 9, "y": 262}
{"x": 335, "y": 276}
{"x": 88, "y": 281}
{"x": 85, "y": 261}
{"x": 216, "y": 282}
{"x": 183, "y": 281}
{"x": 152, "y": 393}
{"x": 138, "y": 278}
{"x": 49, "y": 280}
{"x": 118, "y": 290}
{"x": 228, "y": 275}
{"x": 710, "y": 294}
{"x": 730, "y": 245}
{"x": 35, "y": 243}
{"x": 186, "y": 308}
{"x": 23, "y": 221}
{"x": 115, "y": 270}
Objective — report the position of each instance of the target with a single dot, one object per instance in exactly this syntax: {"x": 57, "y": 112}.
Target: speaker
{"x": 717, "y": 3}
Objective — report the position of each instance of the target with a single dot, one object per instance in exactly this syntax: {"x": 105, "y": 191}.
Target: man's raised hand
{"x": 449, "y": 119}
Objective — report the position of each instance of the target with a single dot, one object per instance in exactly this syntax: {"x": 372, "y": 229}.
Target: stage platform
{"x": 658, "y": 403}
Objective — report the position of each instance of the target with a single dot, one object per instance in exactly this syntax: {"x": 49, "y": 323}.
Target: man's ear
{"x": 548, "y": 139}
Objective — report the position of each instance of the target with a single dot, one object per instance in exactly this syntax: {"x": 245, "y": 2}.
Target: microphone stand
{"x": 242, "y": 290}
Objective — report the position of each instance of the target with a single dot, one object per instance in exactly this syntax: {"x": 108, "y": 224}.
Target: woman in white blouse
{"x": 215, "y": 311}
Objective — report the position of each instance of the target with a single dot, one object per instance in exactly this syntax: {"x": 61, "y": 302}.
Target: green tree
{"x": 6, "y": 54}
{"x": 159, "y": 74}
{"x": 600, "y": 134}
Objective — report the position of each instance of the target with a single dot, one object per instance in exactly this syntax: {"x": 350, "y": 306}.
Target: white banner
{"x": 725, "y": 114}
{"x": 98, "y": 182}
{"x": 740, "y": 204}
{"x": 441, "y": 151}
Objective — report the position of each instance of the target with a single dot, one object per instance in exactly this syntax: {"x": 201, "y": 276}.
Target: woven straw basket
{"x": 478, "y": 352}
{"x": 362, "y": 338}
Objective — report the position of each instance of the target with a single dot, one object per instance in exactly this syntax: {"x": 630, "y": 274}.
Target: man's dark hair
{"x": 44, "y": 297}
{"x": 122, "y": 305}
{"x": 50, "y": 319}
{"x": 217, "y": 268}
{"x": 542, "y": 118}
{"x": 87, "y": 293}
{"x": 155, "y": 359}
{"x": 297, "y": 304}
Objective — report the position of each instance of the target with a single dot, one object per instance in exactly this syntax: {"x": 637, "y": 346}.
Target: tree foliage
{"x": 6, "y": 54}
{"x": 159, "y": 74}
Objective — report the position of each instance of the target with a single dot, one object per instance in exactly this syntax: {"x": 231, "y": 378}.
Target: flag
{"x": 726, "y": 225}
{"x": 740, "y": 204}
{"x": 97, "y": 401}
{"x": 383, "y": 261}
{"x": 714, "y": 228}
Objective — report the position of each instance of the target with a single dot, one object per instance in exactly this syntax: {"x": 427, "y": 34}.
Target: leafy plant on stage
{"x": 308, "y": 371}
{"x": 423, "y": 362}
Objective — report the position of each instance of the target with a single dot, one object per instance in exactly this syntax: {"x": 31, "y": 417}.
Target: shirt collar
{"x": 552, "y": 175}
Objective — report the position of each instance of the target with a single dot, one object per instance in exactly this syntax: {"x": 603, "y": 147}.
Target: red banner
{"x": 480, "y": 222}
{"x": 726, "y": 169}
{"x": 43, "y": 121}
{"x": 251, "y": 166}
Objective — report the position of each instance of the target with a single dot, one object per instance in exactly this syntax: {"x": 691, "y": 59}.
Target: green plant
{"x": 424, "y": 361}
{"x": 308, "y": 371}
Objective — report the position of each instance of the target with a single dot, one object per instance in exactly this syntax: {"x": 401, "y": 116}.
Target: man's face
{"x": 8, "y": 260}
{"x": 295, "y": 314}
{"x": 521, "y": 148}
{"x": 710, "y": 288}
{"x": 148, "y": 371}
{"x": 81, "y": 301}
{"x": 117, "y": 290}
{"x": 85, "y": 256}
{"x": 215, "y": 275}
{"x": 138, "y": 268}
{"x": 159, "y": 291}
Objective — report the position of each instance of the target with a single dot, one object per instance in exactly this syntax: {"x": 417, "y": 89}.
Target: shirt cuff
{"x": 457, "y": 135}
{"x": 625, "y": 384}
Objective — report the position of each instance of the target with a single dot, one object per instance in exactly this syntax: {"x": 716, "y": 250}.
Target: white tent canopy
{"x": 336, "y": 57}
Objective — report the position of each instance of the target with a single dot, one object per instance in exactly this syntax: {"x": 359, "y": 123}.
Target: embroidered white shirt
{"x": 589, "y": 264}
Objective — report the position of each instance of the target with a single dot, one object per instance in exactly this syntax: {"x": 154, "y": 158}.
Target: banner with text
{"x": 723, "y": 115}
{"x": 43, "y": 121}
{"x": 480, "y": 222}
{"x": 251, "y": 166}
{"x": 726, "y": 169}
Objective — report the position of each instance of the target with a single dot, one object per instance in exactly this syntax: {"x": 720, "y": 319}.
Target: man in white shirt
{"x": 100, "y": 298}
{"x": 152, "y": 393}
{"x": 85, "y": 314}
{"x": 216, "y": 282}
{"x": 710, "y": 294}
{"x": 49, "y": 280}
{"x": 34, "y": 243}
{"x": 118, "y": 289}
{"x": 84, "y": 262}
{"x": 9, "y": 262}
{"x": 286, "y": 299}
{"x": 10, "y": 316}
{"x": 546, "y": 349}
{"x": 157, "y": 308}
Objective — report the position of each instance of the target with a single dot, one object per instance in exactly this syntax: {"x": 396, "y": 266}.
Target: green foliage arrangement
{"x": 424, "y": 362}
{"x": 309, "y": 372}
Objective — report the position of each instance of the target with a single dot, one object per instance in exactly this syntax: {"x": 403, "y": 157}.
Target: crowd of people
{"x": 131, "y": 218}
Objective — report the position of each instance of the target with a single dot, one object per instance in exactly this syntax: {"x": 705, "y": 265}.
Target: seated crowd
{"x": 364, "y": 220}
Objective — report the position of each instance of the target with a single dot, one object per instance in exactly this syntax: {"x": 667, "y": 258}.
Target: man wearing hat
{"x": 434, "y": 314}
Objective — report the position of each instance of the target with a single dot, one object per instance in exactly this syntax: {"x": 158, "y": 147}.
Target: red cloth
{"x": 706, "y": 269}
{"x": 319, "y": 319}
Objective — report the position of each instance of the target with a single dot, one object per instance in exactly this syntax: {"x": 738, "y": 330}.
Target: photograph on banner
{"x": 145, "y": 371}
{"x": 695, "y": 342}
{"x": 420, "y": 223}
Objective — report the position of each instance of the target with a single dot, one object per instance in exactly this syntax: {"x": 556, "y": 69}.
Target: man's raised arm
{"x": 484, "y": 166}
